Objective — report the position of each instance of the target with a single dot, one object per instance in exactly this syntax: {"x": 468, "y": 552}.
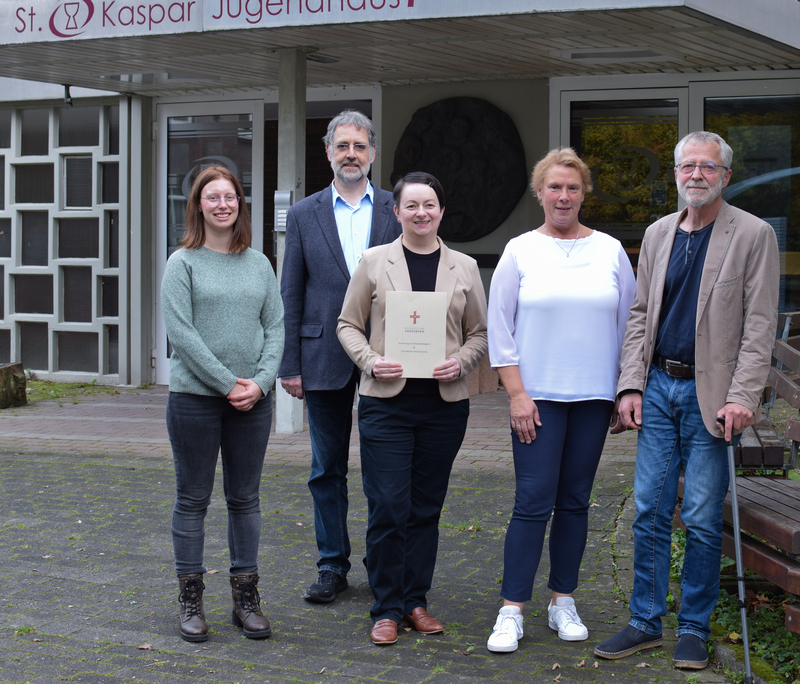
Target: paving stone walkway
{"x": 87, "y": 590}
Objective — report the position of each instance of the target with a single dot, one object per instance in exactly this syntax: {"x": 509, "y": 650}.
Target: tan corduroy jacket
{"x": 384, "y": 268}
{"x": 737, "y": 310}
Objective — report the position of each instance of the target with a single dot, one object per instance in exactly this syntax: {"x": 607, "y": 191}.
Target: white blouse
{"x": 561, "y": 318}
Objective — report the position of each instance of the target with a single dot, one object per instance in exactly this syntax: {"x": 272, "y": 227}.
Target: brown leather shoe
{"x": 423, "y": 622}
{"x": 246, "y": 606}
{"x": 192, "y": 618}
{"x": 384, "y": 632}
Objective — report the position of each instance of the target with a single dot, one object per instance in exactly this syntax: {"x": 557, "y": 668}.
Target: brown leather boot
{"x": 193, "y": 619}
{"x": 246, "y": 611}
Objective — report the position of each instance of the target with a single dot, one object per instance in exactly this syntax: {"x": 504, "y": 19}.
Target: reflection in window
{"x": 5, "y": 238}
{"x": 112, "y": 337}
{"x": 109, "y": 292}
{"x": 110, "y": 172}
{"x": 628, "y": 145}
{"x": 112, "y": 117}
{"x": 764, "y": 133}
{"x": 112, "y": 238}
{"x": 5, "y": 127}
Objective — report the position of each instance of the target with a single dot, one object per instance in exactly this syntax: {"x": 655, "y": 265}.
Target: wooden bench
{"x": 769, "y": 501}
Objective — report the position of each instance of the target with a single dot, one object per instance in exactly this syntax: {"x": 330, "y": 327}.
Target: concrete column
{"x": 291, "y": 176}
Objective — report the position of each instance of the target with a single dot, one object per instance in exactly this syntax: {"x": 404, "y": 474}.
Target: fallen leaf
{"x": 144, "y": 647}
{"x": 299, "y": 524}
{"x": 596, "y": 664}
{"x": 733, "y": 636}
{"x": 46, "y": 556}
{"x": 557, "y": 678}
{"x": 212, "y": 572}
{"x": 37, "y": 639}
{"x": 556, "y": 666}
{"x": 581, "y": 664}
{"x": 644, "y": 665}
{"x": 322, "y": 671}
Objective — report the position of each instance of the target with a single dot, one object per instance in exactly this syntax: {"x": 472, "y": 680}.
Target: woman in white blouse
{"x": 558, "y": 305}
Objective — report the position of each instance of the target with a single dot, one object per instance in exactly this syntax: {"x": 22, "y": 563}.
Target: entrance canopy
{"x": 168, "y": 47}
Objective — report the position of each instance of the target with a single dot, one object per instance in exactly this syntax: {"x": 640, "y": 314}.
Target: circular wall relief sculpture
{"x": 475, "y": 150}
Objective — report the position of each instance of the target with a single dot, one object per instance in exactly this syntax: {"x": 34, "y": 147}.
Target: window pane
{"x": 112, "y": 348}
{"x": 763, "y": 132}
{"x": 77, "y": 294}
{"x": 77, "y": 351}
{"x": 79, "y": 181}
{"x": 78, "y": 238}
{"x": 33, "y": 341}
{"x": 78, "y": 126}
{"x": 34, "y": 183}
{"x": 628, "y": 146}
{"x": 109, "y": 290}
{"x": 35, "y": 131}
{"x": 33, "y": 294}
{"x": 34, "y": 238}
{"x": 110, "y": 183}
{"x": 5, "y": 127}
{"x": 5, "y": 238}
{"x": 113, "y": 129}
{"x": 5, "y": 346}
{"x": 2, "y": 293}
{"x": 112, "y": 238}
{"x": 2, "y": 183}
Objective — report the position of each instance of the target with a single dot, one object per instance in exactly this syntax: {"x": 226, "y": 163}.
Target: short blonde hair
{"x": 561, "y": 156}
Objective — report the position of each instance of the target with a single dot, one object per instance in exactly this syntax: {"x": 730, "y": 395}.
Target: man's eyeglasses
{"x": 706, "y": 168}
{"x": 343, "y": 148}
{"x": 214, "y": 200}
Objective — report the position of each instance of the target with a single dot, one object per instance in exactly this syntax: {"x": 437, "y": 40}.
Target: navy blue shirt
{"x": 677, "y": 325}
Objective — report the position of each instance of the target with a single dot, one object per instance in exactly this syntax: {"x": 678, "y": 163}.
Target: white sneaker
{"x": 507, "y": 631}
{"x": 564, "y": 617}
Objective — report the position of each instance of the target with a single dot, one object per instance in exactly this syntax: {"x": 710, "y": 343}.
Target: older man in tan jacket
{"x": 697, "y": 349}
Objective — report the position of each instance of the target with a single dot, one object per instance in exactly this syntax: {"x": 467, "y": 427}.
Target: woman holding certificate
{"x": 411, "y": 422}
{"x": 558, "y": 305}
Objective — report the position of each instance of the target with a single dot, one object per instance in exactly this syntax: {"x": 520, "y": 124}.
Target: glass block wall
{"x": 59, "y": 240}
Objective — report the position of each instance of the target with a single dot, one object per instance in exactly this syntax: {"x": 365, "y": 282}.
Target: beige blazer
{"x": 384, "y": 268}
{"x": 737, "y": 310}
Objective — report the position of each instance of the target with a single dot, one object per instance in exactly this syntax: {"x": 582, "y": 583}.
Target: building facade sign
{"x": 28, "y": 21}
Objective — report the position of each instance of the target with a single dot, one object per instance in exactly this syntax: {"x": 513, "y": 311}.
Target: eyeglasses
{"x": 706, "y": 168}
{"x": 343, "y": 148}
{"x": 214, "y": 200}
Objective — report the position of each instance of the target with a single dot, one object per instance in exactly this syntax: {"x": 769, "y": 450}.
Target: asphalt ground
{"x": 88, "y": 592}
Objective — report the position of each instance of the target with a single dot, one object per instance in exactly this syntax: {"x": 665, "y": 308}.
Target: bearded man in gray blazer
{"x": 325, "y": 236}
{"x": 697, "y": 348}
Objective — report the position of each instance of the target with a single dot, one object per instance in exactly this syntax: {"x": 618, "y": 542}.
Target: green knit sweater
{"x": 224, "y": 318}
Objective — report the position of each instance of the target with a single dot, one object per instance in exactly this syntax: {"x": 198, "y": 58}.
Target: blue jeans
{"x": 673, "y": 437}
{"x": 408, "y": 445}
{"x": 554, "y": 476}
{"x": 330, "y": 421}
{"x": 199, "y": 426}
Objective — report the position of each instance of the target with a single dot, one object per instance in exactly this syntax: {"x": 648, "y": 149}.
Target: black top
{"x": 677, "y": 324}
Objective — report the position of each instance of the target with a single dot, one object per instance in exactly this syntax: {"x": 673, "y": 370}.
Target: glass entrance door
{"x": 191, "y": 138}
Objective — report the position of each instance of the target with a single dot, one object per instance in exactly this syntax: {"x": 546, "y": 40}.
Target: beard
{"x": 350, "y": 171}
{"x": 693, "y": 199}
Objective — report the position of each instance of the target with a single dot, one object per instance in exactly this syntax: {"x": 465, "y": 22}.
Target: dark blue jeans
{"x": 674, "y": 438}
{"x": 199, "y": 426}
{"x": 408, "y": 445}
{"x": 330, "y": 421}
{"x": 554, "y": 476}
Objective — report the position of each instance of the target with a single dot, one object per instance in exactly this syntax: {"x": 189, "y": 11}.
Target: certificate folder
{"x": 416, "y": 330}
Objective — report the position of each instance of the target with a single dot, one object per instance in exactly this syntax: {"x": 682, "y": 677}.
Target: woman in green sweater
{"x": 224, "y": 319}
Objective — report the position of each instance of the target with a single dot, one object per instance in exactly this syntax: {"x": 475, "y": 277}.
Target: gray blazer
{"x": 314, "y": 280}
{"x": 737, "y": 310}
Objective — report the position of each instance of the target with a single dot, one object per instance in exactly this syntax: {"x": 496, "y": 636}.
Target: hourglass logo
{"x": 71, "y": 17}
